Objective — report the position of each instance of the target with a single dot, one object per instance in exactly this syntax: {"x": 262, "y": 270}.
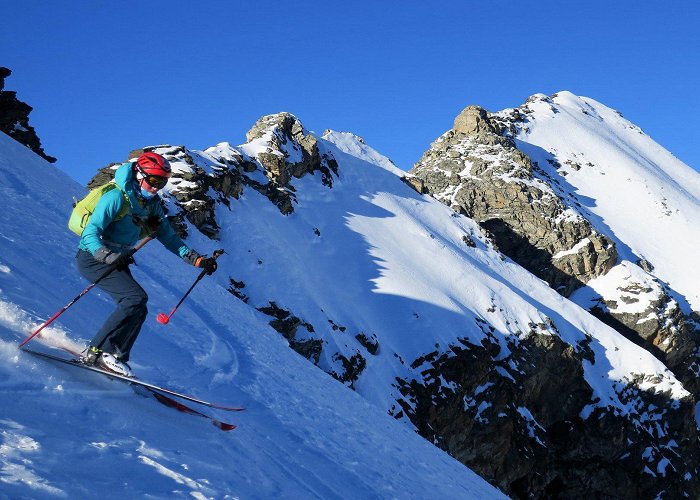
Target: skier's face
{"x": 151, "y": 183}
{"x": 147, "y": 187}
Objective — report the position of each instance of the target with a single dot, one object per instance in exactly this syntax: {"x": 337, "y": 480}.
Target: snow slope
{"x": 637, "y": 192}
{"x": 67, "y": 434}
{"x": 373, "y": 256}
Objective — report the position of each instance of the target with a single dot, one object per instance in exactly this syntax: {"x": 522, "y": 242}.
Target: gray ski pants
{"x": 118, "y": 333}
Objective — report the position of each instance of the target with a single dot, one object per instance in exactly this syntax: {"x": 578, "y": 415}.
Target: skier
{"x": 107, "y": 240}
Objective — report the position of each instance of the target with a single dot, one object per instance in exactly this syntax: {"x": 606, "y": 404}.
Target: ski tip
{"x": 226, "y": 408}
{"x": 223, "y": 425}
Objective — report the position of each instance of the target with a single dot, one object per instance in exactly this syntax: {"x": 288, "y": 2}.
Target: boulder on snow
{"x": 474, "y": 120}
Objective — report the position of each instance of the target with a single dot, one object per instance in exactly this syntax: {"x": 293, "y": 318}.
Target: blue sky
{"x": 106, "y": 77}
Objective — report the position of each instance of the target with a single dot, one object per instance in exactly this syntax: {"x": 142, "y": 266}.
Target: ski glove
{"x": 208, "y": 264}
{"x": 120, "y": 260}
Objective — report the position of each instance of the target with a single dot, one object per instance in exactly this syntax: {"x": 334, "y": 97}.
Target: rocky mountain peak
{"x": 287, "y": 124}
{"x": 477, "y": 169}
{"x": 474, "y": 120}
{"x": 14, "y": 119}
{"x": 287, "y": 150}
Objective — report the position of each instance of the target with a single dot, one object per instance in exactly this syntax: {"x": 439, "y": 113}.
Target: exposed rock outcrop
{"x": 643, "y": 309}
{"x": 523, "y": 418}
{"x": 279, "y": 150}
{"x": 482, "y": 174}
{"x": 290, "y": 150}
{"x": 14, "y": 119}
{"x": 288, "y": 325}
{"x": 305, "y": 340}
{"x": 194, "y": 189}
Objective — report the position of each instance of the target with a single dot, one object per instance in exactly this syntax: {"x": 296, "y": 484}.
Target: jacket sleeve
{"x": 106, "y": 211}
{"x": 168, "y": 237}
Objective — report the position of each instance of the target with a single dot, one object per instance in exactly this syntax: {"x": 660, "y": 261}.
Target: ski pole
{"x": 87, "y": 289}
{"x": 164, "y": 318}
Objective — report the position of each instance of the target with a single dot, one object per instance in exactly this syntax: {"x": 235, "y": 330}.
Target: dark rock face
{"x": 524, "y": 419}
{"x": 190, "y": 188}
{"x": 14, "y": 119}
{"x": 287, "y": 324}
{"x": 303, "y": 338}
{"x": 481, "y": 174}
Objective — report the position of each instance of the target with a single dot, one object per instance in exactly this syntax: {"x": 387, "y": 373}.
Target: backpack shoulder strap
{"x": 126, "y": 206}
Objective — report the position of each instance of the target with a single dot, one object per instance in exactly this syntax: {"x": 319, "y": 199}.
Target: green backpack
{"x": 83, "y": 209}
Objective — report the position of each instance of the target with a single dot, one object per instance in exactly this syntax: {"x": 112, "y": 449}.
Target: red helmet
{"x": 153, "y": 164}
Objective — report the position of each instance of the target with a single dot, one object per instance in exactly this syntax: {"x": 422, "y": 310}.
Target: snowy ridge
{"x": 401, "y": 231}
{"x": 424, "y": 278}
{"x": 407, "y": 280}
{"x": 351, "y": 144}
{"x": 637, "y": 192}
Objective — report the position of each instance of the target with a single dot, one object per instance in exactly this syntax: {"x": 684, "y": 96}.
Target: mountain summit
{"x": 585, "y": 200}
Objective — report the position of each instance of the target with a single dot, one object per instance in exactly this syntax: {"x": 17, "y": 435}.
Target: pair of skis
{"x": 163, "y": 395}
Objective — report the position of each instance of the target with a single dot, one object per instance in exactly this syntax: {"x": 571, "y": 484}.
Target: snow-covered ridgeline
{"x": 411, "y": 230}
{"x": 428, "y": 283}
{"x": 639, "y": 194}
{"x": 383, "y": 233}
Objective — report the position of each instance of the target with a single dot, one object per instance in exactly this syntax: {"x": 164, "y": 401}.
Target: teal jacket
{"x": 102, "y": 231}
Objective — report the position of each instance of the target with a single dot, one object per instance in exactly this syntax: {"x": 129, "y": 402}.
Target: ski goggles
{"x": 155, "y": 181}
